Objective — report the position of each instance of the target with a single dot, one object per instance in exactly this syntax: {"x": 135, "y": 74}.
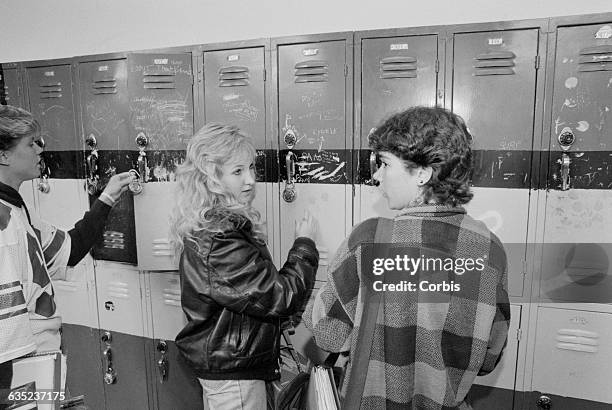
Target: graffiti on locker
{"x": 587, "y": 170}
{"x": 239, "y": 107}
{"x": 118, "y": 242}
{"x": 322, "y": 167}
{"x": 166, "y": 122}
{"x": 320, "y": 126}
{"x": 64, "y": 164}
{"x": 501, "y": 169}
{"x": 161, "y": 165}
{"x": 104, "y": 121}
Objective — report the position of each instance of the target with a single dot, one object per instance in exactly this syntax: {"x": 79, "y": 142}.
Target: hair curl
{"x": 431, "y": 137}
{"x": 15, "y": 123}
{"x": 201, "y": 202}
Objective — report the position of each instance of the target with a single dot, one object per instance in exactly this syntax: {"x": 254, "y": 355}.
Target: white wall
{"x": 45, "y": 29}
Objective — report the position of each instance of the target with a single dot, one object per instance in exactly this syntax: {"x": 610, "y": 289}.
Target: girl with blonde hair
{"x": 231, "y": 292}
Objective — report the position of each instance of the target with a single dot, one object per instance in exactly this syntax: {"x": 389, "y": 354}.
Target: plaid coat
{"x": 426, "y": 351}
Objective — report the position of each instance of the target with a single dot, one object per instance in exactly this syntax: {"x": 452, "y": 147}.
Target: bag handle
{"x": 371, "y": 304}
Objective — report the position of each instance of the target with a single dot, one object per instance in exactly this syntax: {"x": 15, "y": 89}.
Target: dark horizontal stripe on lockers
{"x": 587, "y": 170}
{"x": 492, "y": 169}
{"x": 162, "y": 164}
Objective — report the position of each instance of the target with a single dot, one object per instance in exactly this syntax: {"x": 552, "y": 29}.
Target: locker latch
{"x": 289, "y": 193}
{"x": 373, "y": 167}
{"x": 162, "y": 363}
{"x": 43, "y": 183}
{"x": 566, "y": 139}
{"x": 93, "y": 178}
{"x": 110, "y": 375}
{"x": 136, "y": 186}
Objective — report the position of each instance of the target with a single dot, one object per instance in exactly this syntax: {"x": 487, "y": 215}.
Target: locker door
{"x": 105, "y": 127}
{"x": 313, "y": 113}
{"x": 121, "y": 337}
{"x": 573, "y": 341}
{"x": 396, "y": 73}
{"x": 174, "y": 383}
{"x": 10, "y": 87}
{"x": 494, "y": 90}
{"x": 312, "y": 122}
{"x": 235, "y": 94}
{"x": 161, "y": 114}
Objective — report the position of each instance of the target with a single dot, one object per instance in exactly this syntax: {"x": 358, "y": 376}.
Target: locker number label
{"x": 402, "y": 46}
{"x": 496, "y": 41}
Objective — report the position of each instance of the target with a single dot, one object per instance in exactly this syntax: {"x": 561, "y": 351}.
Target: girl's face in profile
{"x": 399, "y": 185}
{"x": 239, "y": 179}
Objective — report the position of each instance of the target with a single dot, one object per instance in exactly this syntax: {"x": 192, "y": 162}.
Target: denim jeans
{"x": 234, "y": 394}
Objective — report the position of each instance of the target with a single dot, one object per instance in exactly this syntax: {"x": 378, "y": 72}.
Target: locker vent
{"x": 158, "y": 79}
{"x": 234, "y": 76}
{"x": 172, "y": 296}
{"x": 398, "y": 67}
{"x": 49, "y": 90}
{"x": 494, "y": 63}
{"x": 113, "y": 240}
{"x": 313, "y": 71}
{"x": 7, "y": 94}
{"x": 598, "y": 58}
{"x": 577, "y": 340}
{"x": 118, "y": 289}
{"x": 104, "y": 85}
{"x": 162, "y": 247}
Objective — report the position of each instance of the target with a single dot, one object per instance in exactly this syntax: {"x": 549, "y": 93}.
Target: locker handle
{"x": 136, "y": 186}
{"x": 565, "y": 171}
{"x": 110, "y": 376}
{"x": 373, "y": 168}
{"x": 289, "y": 193}
{"x": 93, "y": 178}
{"x": 162, "y": 363}
{"x": 43, "y": 183}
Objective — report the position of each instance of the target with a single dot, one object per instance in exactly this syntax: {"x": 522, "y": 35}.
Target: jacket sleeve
{"x": 499, "y": 333}
{"x": 87, "y": 231}
{"x": 243, "y": 280}
{"x": 330, "y": 314}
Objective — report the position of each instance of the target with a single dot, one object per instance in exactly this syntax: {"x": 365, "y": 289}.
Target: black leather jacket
{"x": 235, "y": 298}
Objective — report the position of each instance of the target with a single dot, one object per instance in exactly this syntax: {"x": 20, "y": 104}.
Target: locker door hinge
{"x": 519, "y": 334}
{"x": 537, "y": 62}
{"x": 345, "y": 70}
{"x": 437, "y": 66}
{"x": 524, "y": 268}
{"x": 265, "y": 74}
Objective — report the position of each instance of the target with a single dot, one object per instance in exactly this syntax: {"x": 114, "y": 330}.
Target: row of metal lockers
{"x": 536, "y": 96}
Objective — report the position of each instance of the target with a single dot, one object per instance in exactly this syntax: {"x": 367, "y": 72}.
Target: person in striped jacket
{"x": 33, "y": 252}
{"x": 443, "y": 316}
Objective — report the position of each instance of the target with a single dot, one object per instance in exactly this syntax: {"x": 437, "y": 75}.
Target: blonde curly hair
{"x": 202, "y": 203}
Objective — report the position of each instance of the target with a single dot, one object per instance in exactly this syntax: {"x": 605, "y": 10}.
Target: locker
{"x": 235, "y": 92}
{"x": 394, "y": 73}
{"x": 574, "y": 345}
{"x": 11, "y": 90}
{"x": 160, "y": 108}
{"x": 313, "y": 113}
{"x": 173, "y": 381}
{"x": 121, "y": 340}
{"x": 106, "y": 127}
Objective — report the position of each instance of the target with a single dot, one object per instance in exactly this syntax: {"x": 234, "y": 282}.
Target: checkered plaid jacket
{"x": 426, "y": 351}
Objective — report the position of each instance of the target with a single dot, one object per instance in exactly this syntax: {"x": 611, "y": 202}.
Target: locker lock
{"x": 107, "y": 337}
{"x": 289, "y": 193}
{"x": 566, "y": 138}
{"x": 290, "y": 139}
{"x": 544, "y": 402}
{"x": 93, "y": 179}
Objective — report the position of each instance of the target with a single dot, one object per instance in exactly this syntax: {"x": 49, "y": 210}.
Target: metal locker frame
{"x": 531, "y": 396}
{"x": 20, "y": 85}
{"x": 359, "y": 144}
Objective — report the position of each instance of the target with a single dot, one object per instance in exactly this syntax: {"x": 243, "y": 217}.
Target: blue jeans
{"x": 234, "y": 394}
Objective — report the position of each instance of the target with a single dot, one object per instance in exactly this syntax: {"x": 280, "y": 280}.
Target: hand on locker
{"x": 307, "y": 226}
{"x": 117, "y": 185}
